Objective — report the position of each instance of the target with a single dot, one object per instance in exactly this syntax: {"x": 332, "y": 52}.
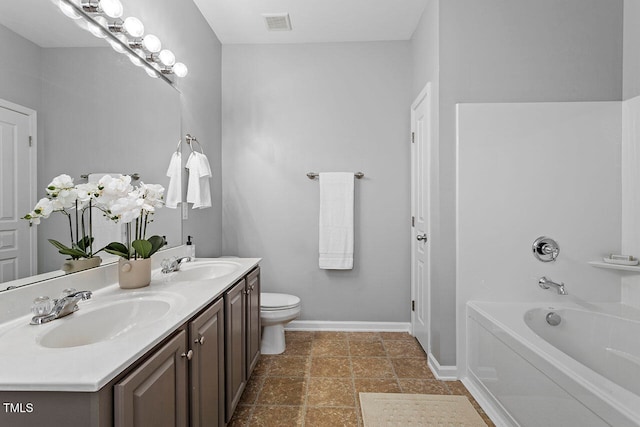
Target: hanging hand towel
{"x": 198, "y": 191}
{"x": 174, "y": 172}
{"x": 336, "y": 221}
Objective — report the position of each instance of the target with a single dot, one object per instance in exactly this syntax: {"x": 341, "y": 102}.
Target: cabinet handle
{"x": 199, "y": 340}
{"x": 188, "y": 354}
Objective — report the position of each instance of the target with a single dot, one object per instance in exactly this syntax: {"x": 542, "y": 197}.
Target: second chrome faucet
{"x": 545, "y": 283}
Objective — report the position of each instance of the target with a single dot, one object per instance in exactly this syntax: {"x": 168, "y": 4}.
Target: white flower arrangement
{"x": 117, "y": 199}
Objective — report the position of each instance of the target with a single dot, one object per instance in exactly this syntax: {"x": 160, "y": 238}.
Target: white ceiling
{"x": 313, "y": 21}
{"x": 44, "y": 24}
{"x": 241, "y": 21}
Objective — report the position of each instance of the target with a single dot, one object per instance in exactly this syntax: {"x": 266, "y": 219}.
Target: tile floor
{"x": 316, "y": 381}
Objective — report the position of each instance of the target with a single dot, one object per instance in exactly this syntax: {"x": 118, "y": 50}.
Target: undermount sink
{"x": 192, "y": 271}
{"x": 103, "y": 324}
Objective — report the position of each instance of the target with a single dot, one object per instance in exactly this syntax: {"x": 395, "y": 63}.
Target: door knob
{"x": 422, "y": 237}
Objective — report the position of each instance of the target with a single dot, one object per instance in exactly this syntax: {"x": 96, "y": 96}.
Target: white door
{"x": 17, "y": 192}
{"x": 420, "y": 229}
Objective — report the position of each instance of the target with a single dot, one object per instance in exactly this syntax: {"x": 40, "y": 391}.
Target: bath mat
{"x": 394, "y": 409}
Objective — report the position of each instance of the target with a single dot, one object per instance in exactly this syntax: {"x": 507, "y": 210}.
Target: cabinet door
{"x": 155, "y": 394}
{"x": 235, "y": 341}
{"x": 254, "y": 330}
{"x": 206, "y": 333}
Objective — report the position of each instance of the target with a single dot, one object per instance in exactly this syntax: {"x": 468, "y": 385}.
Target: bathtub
{"x": 583, "y": 372}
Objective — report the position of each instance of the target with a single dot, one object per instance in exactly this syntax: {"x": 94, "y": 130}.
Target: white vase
{"x": 134, "y": 273}
{"x": 73, "y": 265}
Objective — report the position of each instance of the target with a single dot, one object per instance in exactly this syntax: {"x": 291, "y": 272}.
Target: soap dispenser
{"x": 191, "y": 249}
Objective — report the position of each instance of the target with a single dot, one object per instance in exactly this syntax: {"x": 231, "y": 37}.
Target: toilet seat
{"x": 276, "y": 302}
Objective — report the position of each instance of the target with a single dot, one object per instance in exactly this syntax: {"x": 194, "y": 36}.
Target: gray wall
{"x": 516, "y": 51}
{"x": 19, "y": 69}
{"x": 292, "y": 109}
{"x": 631, "y": 43}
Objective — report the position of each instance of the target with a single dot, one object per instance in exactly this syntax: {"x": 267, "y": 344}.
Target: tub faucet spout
{"x": 545, "y": 283}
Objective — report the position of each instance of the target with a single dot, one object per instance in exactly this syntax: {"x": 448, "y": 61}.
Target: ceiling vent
{"x": 277, "y": 21}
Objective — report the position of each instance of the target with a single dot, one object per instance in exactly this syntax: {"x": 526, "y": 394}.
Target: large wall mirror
{"x": 96, "y": 113}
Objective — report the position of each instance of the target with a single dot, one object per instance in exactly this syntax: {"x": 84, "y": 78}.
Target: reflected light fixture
{"x": 103, "y": 19}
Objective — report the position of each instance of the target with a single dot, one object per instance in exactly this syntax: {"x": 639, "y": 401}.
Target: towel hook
{"x": 190, "y": 139}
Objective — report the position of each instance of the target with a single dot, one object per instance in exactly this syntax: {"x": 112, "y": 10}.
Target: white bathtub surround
{"x": 631, "y": 195}
{"x": 522, "y": 364}
{"x": 336, "y": 221}
{"x": 528, "y": 170}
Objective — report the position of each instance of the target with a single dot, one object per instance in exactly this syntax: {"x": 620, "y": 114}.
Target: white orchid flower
{"x": 126, "y": 209}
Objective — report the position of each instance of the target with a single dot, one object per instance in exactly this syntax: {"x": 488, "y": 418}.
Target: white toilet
{"x": 276, "y": 310}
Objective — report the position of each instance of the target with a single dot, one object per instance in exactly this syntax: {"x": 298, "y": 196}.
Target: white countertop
{"x": 28, "y": 366}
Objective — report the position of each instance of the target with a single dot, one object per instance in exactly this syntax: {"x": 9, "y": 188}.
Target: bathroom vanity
{"x": 178, "y": 352}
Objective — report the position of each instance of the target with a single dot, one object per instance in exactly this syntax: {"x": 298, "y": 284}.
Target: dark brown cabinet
{"x": 206, "y": 335}
{"x": 155, "y": 393}
{"x": 235, "y": 345}
{"x": 254, "y": 328}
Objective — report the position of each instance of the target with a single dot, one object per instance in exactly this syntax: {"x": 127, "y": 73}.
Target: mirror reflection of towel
{"x": 174, "y": 190}
{"x": 198, "y": 191}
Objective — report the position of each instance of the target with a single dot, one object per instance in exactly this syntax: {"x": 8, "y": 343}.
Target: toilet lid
{"x": 270, "y": 301}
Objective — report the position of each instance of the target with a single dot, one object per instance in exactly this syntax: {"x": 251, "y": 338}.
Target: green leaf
{"x": 117, "y": 248}
{"x": 65, "y": 250}
{"x": 85, "y": 243}
{"x": 157, "y": 242}
{"x": 142, "y": 248}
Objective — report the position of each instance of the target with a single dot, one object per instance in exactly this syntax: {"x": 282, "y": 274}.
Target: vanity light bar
{"x": 103, "y": 19}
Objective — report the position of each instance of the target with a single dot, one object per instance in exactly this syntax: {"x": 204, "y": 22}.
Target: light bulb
{"x": 69, "y": 11}
{"x": 167, "y": 57}
{"x": 133, "y": 27}
{"x": 135, "y": 60}
{"x": 151, "y": 73}
{"x": 111, "y": 8}
{"x": 180, "y": 70}
{"x": 117, "y": 46}
{"x": 151, "y": 43}
{"x": 97, "y": 29}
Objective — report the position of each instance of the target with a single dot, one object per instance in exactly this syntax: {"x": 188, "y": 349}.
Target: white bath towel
{"x": 336, "y": 221}
{"x": 198, "y": 190}
{"x": 174, "y": 190}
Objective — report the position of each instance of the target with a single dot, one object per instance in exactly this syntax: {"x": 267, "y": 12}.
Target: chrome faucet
{"x": 45, "y": 310}
{"x": 545, "y": 283}
{"x": 169, "y": 265}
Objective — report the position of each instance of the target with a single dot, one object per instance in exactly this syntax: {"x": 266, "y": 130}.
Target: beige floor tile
{"x": 335, "y": 367}
{"x": 330, "y": 348}
{"x": 241, "y": 416}
{"x": 262, "y": 367}
{"x": 331, "y": 392}
{"x": 404, "y": 348}
{"x": 251, "y": 390}
{"x": 394, "y": 336}
{"x": 289, "y": 366}
{"x": 416, "y": 386}
{"x": 412, "y": 368}
{"x": 330, "y": 335}
{"x": 297, "y": 348}
{"x": 282, "y": 391}
{"x": 298, "y": 335}
{"x": 331, "y": 417}
{"x": 372, "y": 367}
{"x": 364, "y": 336}
{"x": 456, "y": 387}
{"x": 376, "y": 385}
{"x": 277, "y": 416}
{"x": 366, "y": 348}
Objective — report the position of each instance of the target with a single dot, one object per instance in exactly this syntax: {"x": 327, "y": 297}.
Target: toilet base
{"x": 273, "y": 339}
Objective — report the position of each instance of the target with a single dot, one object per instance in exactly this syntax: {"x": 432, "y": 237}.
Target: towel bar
{"x": 314, "y": 175}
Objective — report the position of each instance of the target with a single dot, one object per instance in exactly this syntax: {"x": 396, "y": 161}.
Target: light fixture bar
{"x": 115, "y": 35}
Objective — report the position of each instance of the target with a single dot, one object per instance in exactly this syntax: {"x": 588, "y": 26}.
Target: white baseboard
{"x": 489, "y": 404}
{"x": 325, "y": 325}
{"x": 443, "y": 373}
